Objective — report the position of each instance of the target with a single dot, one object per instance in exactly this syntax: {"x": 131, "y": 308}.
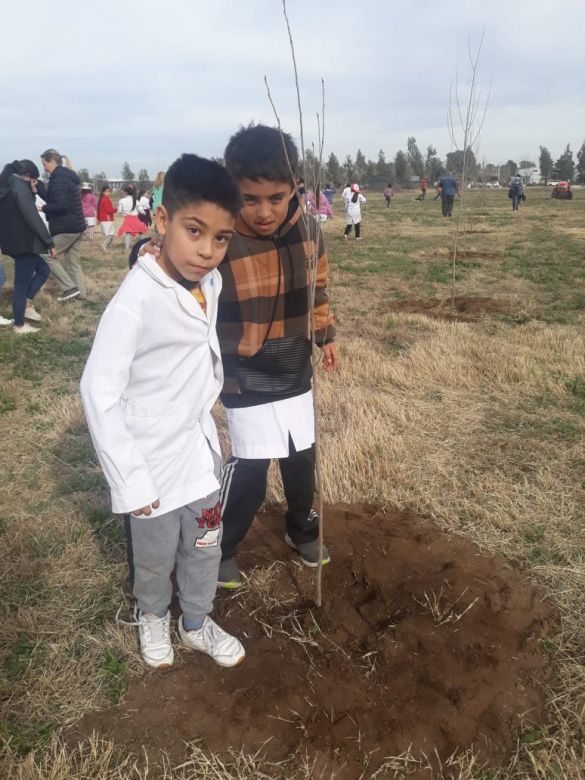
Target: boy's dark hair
{"x": 258, "y": 152}
{"x": 193, "y": 179}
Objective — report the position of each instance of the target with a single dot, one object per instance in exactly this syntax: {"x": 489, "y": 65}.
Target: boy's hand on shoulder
{"x": 146, "y": 510}
{"x": 151, "y": 248}
{"x": 330, "y": 357}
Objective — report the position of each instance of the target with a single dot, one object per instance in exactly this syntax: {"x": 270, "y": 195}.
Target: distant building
{"x": 117, "y": 184}
{"x": 530, "y": 175}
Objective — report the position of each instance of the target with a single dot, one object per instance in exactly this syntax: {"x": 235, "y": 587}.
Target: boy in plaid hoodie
{"x": 264, "y": 333}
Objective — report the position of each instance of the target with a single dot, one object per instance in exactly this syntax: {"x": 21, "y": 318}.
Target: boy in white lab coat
{"x": 151, "y": 380}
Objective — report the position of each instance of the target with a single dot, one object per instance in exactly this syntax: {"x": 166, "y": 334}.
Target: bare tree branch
{"x": 312, "y": 250}
{"x": 471, "y": 129}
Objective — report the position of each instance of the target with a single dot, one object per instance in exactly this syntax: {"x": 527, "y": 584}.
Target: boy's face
{"x": 265, "y": 204}
{"x": 195, "y": 240}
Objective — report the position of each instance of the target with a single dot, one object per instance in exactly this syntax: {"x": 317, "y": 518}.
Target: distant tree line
{"x": 409, "y": 166}
{"x": 142, "y": 181}
{"x": 406, "y": 169}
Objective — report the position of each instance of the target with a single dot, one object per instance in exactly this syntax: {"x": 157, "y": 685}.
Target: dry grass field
{"x": 471, "y": 416}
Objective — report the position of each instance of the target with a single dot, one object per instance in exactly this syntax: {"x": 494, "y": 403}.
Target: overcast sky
{"x": 143, "y": 81}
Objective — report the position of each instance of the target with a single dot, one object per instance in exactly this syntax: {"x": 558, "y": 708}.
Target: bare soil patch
{"x": 423, "y": 642}
{"x": 463, "y": 307}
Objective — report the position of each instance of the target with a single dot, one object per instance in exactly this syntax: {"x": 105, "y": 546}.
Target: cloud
{"x": 144, "y": 82}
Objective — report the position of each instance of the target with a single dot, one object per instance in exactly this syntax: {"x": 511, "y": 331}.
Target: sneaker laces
{"x": 157, "y": 630}
{"x": 213, "y": 634}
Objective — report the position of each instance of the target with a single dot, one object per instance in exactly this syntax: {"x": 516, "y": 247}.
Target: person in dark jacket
{"x": 449, "y": 188}
{"x": 66, "y": 223}
{"x": 24, "y": 237}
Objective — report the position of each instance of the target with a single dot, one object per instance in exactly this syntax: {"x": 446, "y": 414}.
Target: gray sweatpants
{"x": 188, "y": 537}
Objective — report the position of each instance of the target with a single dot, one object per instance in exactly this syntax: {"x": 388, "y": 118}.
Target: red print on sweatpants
{"x": 210, "y": 518}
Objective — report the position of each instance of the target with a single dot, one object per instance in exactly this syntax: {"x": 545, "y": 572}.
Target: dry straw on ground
{"x": 478, "y": 424}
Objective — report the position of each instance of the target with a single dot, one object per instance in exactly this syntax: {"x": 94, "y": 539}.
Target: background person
{"x": 89, "y": 208}
{"x": 143, "y": 205}
{"x": 388, "y": 194}
{"x": 24, "y": 237}
{"x": 354, "y": 213}
{"x": 323, "y": 210}
{"x": 329, "y": 193}
{"x": 424, "y": 183}
{"x": 516, "y": 191}
{"x": 3, "y": 320}
{"x": 449, "y": 188}
{"x": 157, "y": 191}
{"x": 105, "y": 214}
{"x": 128, "y": 208}
{"x": 66, "y": 223}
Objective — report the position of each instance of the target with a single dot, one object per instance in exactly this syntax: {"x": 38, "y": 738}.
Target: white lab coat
{"x": 150, "y": 382}
{"x": 354, "y": 210}
{"x": 346, "y": 195}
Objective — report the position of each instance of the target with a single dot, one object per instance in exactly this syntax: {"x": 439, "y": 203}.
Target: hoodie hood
{"x": 7, "y": 187}
{"x": 60, "y": 170}
{"x": 13, "y": 184}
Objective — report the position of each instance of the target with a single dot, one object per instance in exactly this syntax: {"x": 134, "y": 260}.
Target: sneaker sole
{"x": 63, "y": 298}
{"x": 304, "y": 561}
{"x": 159, "y": 665}
{"x": 239, "y": 662}
{"x": 232, "y": 585}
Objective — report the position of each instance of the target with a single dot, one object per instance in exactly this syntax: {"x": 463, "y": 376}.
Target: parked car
{"x": 495, "y": 185}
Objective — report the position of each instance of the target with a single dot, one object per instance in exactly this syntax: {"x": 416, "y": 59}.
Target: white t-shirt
{"x": 143, "y": 205}
{"x": 125, "y": 207}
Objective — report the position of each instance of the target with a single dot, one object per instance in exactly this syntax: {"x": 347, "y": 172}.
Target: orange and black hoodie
{"x": 263, "y": 321}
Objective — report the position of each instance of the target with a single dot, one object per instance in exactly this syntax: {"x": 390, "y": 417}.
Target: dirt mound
{"x": 462, "y": 307}
{"x": 422, "y": 641}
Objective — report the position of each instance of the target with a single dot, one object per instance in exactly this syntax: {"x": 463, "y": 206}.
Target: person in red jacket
{"x": 424, "y": 183}
{"x": 105, "y": 215}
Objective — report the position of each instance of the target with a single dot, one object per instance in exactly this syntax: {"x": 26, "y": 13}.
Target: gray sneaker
{"x": 69, "y": 294}
{"x": 229, "y": 576}
{"x": 309, "y": 552}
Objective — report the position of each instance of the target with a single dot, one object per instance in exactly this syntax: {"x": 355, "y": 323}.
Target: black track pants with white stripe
{"x": 243, "y": 489}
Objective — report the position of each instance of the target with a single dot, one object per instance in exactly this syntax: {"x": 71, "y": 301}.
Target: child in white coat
{"x": 151, "y": 380}
{"x": 354, "y": 212}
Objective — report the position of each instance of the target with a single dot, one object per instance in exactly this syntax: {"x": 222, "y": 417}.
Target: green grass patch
{"x": 113, "y": 670}
{"x": 23, "y": 738}
{"x": 7, "y": 401}
{"x": 19, "y": 657}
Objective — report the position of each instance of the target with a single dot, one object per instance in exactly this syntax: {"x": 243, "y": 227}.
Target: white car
{"x": 494, "y": 185}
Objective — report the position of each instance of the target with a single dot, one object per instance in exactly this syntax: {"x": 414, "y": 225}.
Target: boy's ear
{"x": 161, "y": 219}
{"x": 293, "y": 191}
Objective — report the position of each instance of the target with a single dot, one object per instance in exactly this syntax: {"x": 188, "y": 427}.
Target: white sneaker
{"x": 155, "y": 639}
{"x": 26, "y": 328}
{"x": 32, "y": 314}
{"x": 224, "y": 648}
{"x": 5, "y": 321}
